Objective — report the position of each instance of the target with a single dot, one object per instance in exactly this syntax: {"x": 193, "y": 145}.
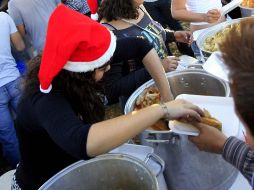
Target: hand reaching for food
{"x": 183, "y": 36}
{"x": 170, "y": 63}
{"x": 182, "y": 109}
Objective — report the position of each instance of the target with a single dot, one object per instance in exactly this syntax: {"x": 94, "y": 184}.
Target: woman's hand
{"x": 210, "y": 139}
{"x": 212, "y": 16}
{"x": 184, "y": 110}
{"x": 170, "y": 63}
{"x": 183, "y": 36}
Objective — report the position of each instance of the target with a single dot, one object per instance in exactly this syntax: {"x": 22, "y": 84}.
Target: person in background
{"x": 127, "y": 18}
{"x": 9, "y": 87}
{"x": 160, "y": 11}
{"x": 31, "y": 18}
{"x": 237, "y": 51}
{"x": 60, "y": 115}
{"x": 200, "y": 13}
{"x": 125, "y": 83}
{"x": 78, "y": 5}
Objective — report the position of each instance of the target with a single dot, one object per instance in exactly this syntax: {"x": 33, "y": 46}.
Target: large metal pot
{"x": 187, "y": 167}
{"x": 190, "y": 81}
{"x": 246, "y": 12}
{"x": 210, "y": 32}
{"x": 107, "y": 172}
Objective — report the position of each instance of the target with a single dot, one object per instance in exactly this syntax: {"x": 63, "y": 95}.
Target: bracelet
{"x": 165, "y": 110}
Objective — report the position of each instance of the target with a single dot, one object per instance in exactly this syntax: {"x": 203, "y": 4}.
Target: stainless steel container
{"x": 147, "y": 155}
{"x": 190, "y": 81}
{"x": 185, "y": 166}
{"x": 246, "y": 12}
{"x": 106, "y": 172}
{"x": 210, "y": 32}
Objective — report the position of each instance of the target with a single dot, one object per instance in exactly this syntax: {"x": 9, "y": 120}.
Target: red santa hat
{"x": 93, "y": 6}
{"x": 75, "y": 43}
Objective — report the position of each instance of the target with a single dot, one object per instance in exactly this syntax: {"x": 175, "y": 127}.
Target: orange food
{"x": 211, "y": 121}
{"x": 248, "y": 3}
{"x": 160, "y": 125}
{"x": 149, "y": 97}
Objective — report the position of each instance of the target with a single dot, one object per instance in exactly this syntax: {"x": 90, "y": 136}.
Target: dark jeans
{"x": 160, "y": 11}
{"x": 9, "y": 97}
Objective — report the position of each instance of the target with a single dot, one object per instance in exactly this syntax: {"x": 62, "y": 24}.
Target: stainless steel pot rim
{"x": 130, "y": 102}
{"x": 75, "y": 165}
{"x": 248, "y": 8}
{"x": 150, "y": 131}
{"x": 150, "y": 83}
{"x": 212, "y": 30}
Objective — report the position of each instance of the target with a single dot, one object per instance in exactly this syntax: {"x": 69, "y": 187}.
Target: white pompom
{"x": 46, "y": 91}
{"x": 95, "y": 16}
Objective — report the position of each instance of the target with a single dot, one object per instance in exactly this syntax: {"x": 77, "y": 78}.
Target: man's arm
{"x": 15, "y": 36}
{"x": 239, "y": 155}
{"x": 233, "y": 150}
{"x": 16, "y": 15}
{"x": 17, "y": 41}
{"x": 22, "y": 30}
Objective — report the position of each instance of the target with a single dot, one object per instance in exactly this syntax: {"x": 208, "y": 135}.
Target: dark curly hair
{"x": 115, "y": 9}
{"x": 80, "y": 89}
{"x": 237, "y": 50}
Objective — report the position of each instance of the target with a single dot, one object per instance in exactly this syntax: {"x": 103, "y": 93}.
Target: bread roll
{"x": 211, "y": 121}
{"x": 160, "y": 125}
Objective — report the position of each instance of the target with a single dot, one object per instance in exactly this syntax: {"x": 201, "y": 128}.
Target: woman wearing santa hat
{"x": 60, "y": 115}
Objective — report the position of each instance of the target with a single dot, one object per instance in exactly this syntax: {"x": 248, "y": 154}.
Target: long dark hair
{"x": 80, "y": 89}
{"x": 115, "y": 9}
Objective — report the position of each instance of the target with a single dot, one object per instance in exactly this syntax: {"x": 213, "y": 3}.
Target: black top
{"x": 51, "y": 135}
{"x": 151, "y": 30}
{"x": 131, "y": 47}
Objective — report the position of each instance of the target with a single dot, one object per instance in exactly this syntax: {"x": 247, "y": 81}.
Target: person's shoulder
{"x": 5, "y": 18}
{"x": 4, "y": 15}
{"x": 14, "y": 3}
{"x": 36, "y": 95}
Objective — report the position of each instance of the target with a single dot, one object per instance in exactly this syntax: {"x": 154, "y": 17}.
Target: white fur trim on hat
{"x": 46, "y": 91}
{"x": 91, "y": 65}
{"x": 95, "y": 16}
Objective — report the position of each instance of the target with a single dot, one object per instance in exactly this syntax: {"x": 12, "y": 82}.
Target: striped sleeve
{"x": 239, "y": 155}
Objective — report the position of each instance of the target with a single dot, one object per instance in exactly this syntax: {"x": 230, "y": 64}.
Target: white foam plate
{"x": 221, "y": 108}
{"x": 215, "y": 66}
{"x": 197, "y": 33}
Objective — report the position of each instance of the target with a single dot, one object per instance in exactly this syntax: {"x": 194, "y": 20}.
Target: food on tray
{"x": 149, "y": 97}
{"x": 160, "y": 125}
{"x": 211, "y": 43}
{"x": 207, "y": 119}
{"x": 211, "y": 121}
{"x": 248, "y": 3}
